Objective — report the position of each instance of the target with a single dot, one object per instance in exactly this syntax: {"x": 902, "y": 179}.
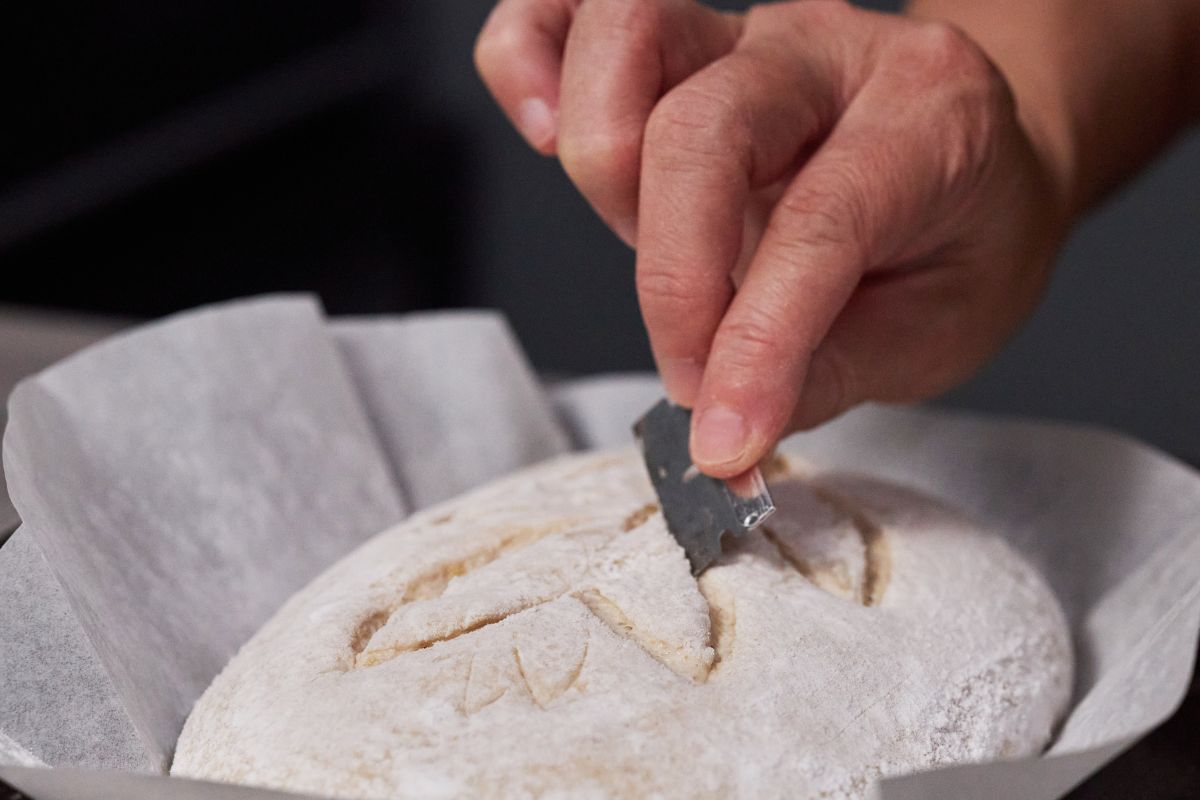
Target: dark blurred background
{"x": 155, "y": 156}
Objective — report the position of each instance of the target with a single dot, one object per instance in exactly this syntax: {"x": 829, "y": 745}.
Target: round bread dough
{"x": 543, "y": 635}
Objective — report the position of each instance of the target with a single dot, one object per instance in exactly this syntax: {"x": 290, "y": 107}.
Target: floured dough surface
{"x": 543, "y": 636}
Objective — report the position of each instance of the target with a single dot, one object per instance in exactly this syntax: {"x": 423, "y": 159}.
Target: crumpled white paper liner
{"x": 178, "y": 482}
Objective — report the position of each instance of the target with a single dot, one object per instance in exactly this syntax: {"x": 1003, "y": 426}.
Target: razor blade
{"x": 699, "y": 510}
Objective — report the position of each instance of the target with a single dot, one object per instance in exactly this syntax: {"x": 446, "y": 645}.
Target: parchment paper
{"x": 179, "y": 482}
{"x": 1113, "y": 524}
{"x": 182, "y": 481}
{"x": 8, "y": 515}
{"x": 452, "y": 399}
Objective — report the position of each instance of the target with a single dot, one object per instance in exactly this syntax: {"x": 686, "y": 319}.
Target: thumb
{"x": 910, "y": 335}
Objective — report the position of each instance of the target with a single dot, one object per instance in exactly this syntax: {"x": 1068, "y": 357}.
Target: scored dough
{"x": 543, "y": 635}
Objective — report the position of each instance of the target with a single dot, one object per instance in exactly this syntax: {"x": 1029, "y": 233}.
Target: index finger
{"x": 646, "y": 47}
{"x": 733, "y": 126}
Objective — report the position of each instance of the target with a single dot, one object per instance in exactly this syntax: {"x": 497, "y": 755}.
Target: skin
{"x": 831, "y": 205}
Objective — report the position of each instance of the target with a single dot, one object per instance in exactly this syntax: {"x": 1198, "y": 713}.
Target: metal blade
{"x": 699, "y": 510}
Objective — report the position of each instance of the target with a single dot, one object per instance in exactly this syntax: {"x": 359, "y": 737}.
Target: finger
{"x": 735, "y": 125}
{"x": 912, "y": 336}
{"x": 902, "y": 338}
{"x": 519, "y": 57}
{"x": 620, "y": 57}
{"x": 856, "y": 203}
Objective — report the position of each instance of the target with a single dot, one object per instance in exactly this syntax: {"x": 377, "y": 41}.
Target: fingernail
{"x": 681, "y": 378}
{"x": 536, "y": 121}
{"x": 720, "y": 436}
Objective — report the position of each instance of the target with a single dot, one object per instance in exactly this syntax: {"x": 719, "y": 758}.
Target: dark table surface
{"x": 1165, "y": 765}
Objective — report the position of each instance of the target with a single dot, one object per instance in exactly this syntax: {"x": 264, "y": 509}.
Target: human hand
{"x": 862, "y": 179}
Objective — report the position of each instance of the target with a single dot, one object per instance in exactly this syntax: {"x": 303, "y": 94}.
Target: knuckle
{"x": 762, "y": 17}
{"x": 830, "y": 214}
{"x": 823, "y": 228}
{"x": 628, "y": 16}
{"x": 496, "y": 46}
{"x": 945, "y": 47}
{"x": 599, "y": 157}
{"x": 963, "y": 89}
{"x": 804, "y": 17}
{"x": 948, "y": 57}
{"x": 692, "y": 126}
{"x": 751, "y": 343}
{"x": 663, "y": 291}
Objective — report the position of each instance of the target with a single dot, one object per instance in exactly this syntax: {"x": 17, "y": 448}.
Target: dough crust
{"x": 543, "y": 635}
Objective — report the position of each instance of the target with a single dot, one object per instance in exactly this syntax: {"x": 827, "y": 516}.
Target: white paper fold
{"x": 8, "y": 515}
{"x": 600, "y": 412}
{"x": 452, "y": 398}
{"x": 179, "y": 482}
{"x": 14, "y": 755}
{"x": 57, "y": 700}
{"x": 182, "y": 481}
